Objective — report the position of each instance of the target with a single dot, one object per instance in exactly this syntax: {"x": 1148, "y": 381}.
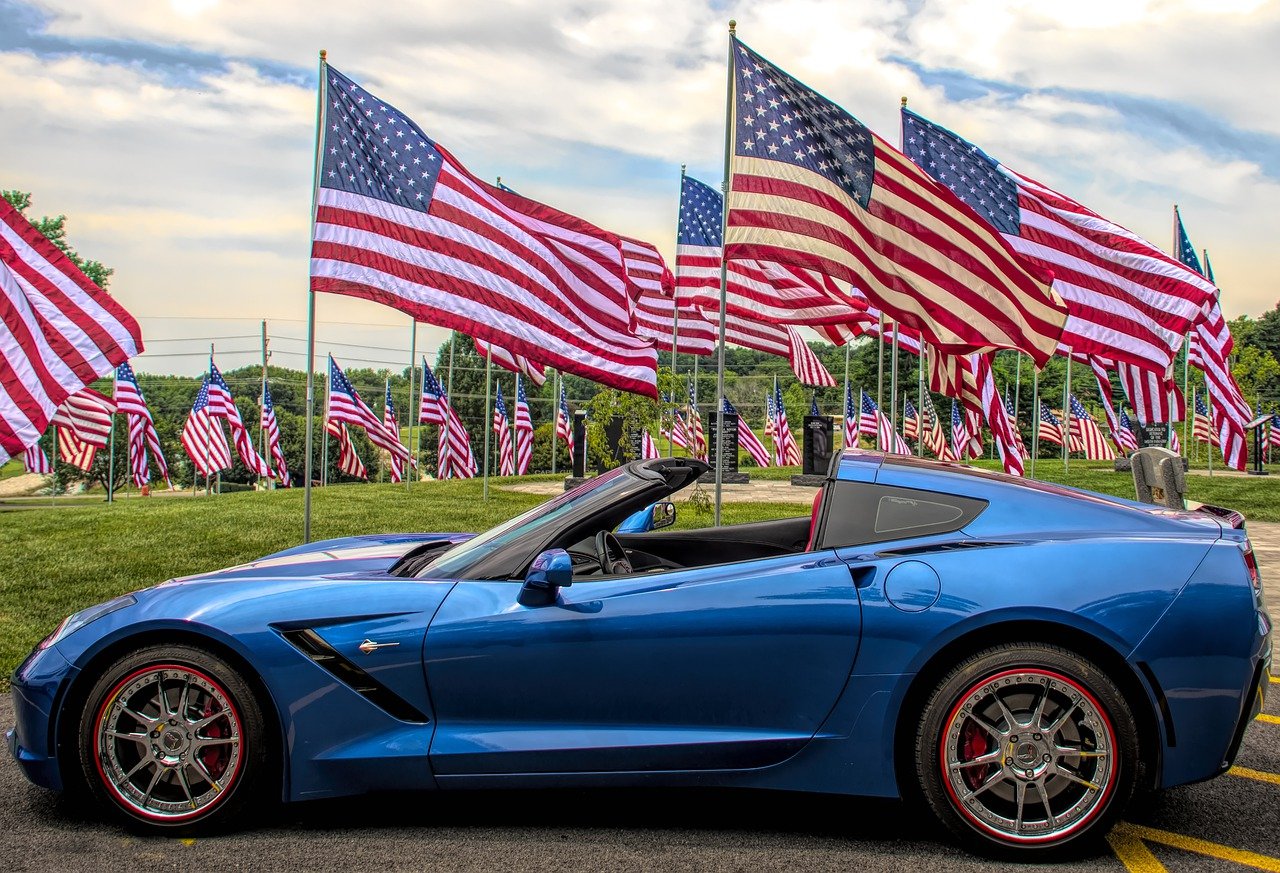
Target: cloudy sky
{"x": 177, "y": 135}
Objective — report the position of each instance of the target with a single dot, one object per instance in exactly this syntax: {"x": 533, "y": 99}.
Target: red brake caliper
{"x": 974, "y": 742}
{"x": 214, "y": 758}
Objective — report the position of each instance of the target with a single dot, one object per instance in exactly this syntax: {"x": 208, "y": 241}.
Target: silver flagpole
{"x": 324, "y": 468}
{"x": 848, "y": 348}
{"x": 488, "y": 387}
{"x": 1208, "y": 404}
{"x": 311, "y": 306}
{"x": 920, "y": 407}
{"x": 893, "y": 384}
{"x": 675, "y": 321}
{"x": 411, "y": 467}
{"x": 1017, "y": 382}
{"x": 879, "y": 374}
{"x": 555, "y": 416}
{"x": 1186, "y": 389}
{"x": 1066, "y": 412}
{"x": 724, "y": 263}
{"x": 1035, "y": 419}
{"x": 448, "y": 390}
{"x": 53, "y": 461}
{"x": 111, "y": 451}
{"x": 219, "y": 426}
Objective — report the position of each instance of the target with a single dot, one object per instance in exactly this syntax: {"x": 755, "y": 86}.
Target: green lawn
{"x": 59, "y": 560}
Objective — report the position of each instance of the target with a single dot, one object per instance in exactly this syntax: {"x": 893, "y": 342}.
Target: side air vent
{"x": 314, "y": 647}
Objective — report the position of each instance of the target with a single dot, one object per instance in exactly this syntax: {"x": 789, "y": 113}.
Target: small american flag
{"x": 1273, "y": 432}
{"x": 222, "y": 405}
{"x": 564, "y": 421}
{"x": 1125, "y": 439}
{"x": 1050, "y": 425}
{"x": 1202, "y": 425}
{"x": 1121, "y": 429}
{"x": 812, "y": 187}
{"x": 1086, "y": 430}
{"x": 679, "y": 433}
{"x": 87, "y": 416}
{"x": 874, "y": 422}
{"x": 142, "y": 429}
{"x": 960, "y": 437}
{"x": 502, "y": 429}
{"x": 348, "y": 460}
{"x": 392, "y": 424}
{"x": 271, "y": 427}
{"x": 747, "y": 438}
{"x": 345, "y": 405}
{"x": 910, "y": 420}
{"x": 203, "y": 437}
{"x": 935, "y": 440}
{"x": 814, "y": 412}
{"x": 34, "y": 460}
{"x": 524, "y": 429}
{"x": 787, "y": 449}
{"x": 454, "y": 458}
{"x": 694, "y": 419}
{"x": 850, "y": 418}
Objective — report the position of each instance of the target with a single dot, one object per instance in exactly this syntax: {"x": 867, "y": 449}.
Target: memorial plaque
{"x": 635, "y": 442}
{"x": 729, "y": 472}
{"x": 819, "y": 442}
{"x": 579, "y": 444}
{"x": 1153, "y": 435}
{"x": 613, "y": 439}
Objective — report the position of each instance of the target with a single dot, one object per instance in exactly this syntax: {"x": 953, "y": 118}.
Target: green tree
{"x": 55, "y": 229}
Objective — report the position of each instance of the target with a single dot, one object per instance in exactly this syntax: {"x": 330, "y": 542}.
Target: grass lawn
{"x": 58, "y": 560}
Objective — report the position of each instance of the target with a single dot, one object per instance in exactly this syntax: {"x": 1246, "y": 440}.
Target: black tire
{"x": 976, "y": 769}
{"x": 202, "y": 758}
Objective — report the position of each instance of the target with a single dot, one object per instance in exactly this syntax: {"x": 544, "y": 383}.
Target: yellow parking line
{"x": 1275, "y": 680}
{"x": 1259, "y": 775}
{"x": 1200, "y": 847}
{"x": 1269, "y": 719}
{"x": 1132, "y": 852}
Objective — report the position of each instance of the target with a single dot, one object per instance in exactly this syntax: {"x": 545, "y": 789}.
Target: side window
{"x": 860, "y": 513}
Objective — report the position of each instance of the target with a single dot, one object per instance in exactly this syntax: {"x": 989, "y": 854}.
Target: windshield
{"x": 453, "y": 563}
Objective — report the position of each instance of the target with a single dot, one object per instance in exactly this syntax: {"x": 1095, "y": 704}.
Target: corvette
{"x": 1017, "y": 657}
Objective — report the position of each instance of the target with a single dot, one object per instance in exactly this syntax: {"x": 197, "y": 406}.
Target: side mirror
{"x": 664, "y": 515}
{"x": 549, "y": 572}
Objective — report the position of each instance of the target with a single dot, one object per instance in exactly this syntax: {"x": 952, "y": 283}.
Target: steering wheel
{"x": 613, "y": 558}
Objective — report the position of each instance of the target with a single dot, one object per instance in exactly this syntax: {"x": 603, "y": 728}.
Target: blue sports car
{"x": 1019, "y": 658}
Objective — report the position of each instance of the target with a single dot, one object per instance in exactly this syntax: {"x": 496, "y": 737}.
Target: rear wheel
{"x": 173, "y": 737}
{"x": 1027, "y": 750}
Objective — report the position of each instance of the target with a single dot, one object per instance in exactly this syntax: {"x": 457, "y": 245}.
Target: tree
{"x": 55, "y": 230}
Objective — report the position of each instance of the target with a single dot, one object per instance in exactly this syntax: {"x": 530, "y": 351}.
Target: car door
{"x": 732, "y": 666}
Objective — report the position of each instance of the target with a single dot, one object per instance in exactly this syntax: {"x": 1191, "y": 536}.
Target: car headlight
{"x": 73, "y": 623}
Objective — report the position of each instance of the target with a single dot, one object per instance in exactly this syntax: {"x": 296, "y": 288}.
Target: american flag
{"x": 431, "y": 407}
{"x": 747, "y": 438}
{"x": 400, "y": 221}
{"x": 656, "y": 320}
{"x": 142, "y": 429}
{"x": 348, "y": 460}
{"x": 203, "y": 437}
{"x": 1202, "y": 425}
{"x": 454, "y": 458}
{"x": 1127, "y": 301}
{"x": 524, "y": 430}
{"x": 1121, "y": 432}
{"x": 1123, "y": 436}
{"x": 345, "y": 405}
{"x": 1004, "y": 431}
{"x": 1209, "y": 348}
{"x": 771, "y": 426}
{"x": 850, "y": 418}
{"x": 536, "y": 373}
{"x": 679, "y": 433}
{"x": 86, "y": 416}
{"x": 813, "y": 406}
{"x": 785, "y": 444}
{"x": 694, "y": 420}
{"x": 564, "y": 421}
{"x": 61, "y": 333}
{"x": 1086, "y": 430}
{"x": 222, "y": 405}
{"x": 646, "y": 269}
{"x": 935, "y": 440}
{"x": 1273, "y": 432}
{"x": 1050, "y": 425}
{"x": 910, "y": 420}
{"x": 961, "y": 438}
{"x": 34, "y": 460}
{"x": 648, "y": 448}
{"x": 812, "y": 187}
{"x": 871, "y": 420}
{"x": 502, "y": 430}
{"x": 1013, "y": 422}
{"x": 75, "y": 451}
{"x": 761, "y": 300}
{"x": 758, "y": 292}
{"x": 271, "y": 427}
{"x": 392, "y": 424}
{"x": 1155, "y": 396}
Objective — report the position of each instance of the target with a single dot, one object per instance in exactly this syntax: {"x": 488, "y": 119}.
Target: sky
{"x": 178, "y": 135}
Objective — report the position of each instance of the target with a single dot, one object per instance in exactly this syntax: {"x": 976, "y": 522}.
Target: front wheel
{"x": 1027, "y": 750}
{"x": 171, "y": 737}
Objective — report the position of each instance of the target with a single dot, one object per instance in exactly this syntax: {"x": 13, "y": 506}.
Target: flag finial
{"x": 904, "y": 102}
{"x": 323, "y": 54}
{"x": 733, "y": 27}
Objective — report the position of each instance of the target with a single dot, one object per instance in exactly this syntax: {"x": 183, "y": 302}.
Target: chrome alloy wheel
{"x": 1028, "y": 756}
{"x": 168, "y": 743}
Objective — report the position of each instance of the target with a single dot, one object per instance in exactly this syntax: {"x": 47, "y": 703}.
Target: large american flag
{"x": 61, "y": 331}
{"x": 203, "y": 437}
{"x": 655, "y": 316}
{"x": 392, "y": 423}
{"x": 524, "y": 430}
{"x": 34, "y": 460}
{"x": 84, "y": 422}
{"x": 762, "y": 301}
{"x": 223, "y": 405}
{"x": 346, "y": 405}
{"x": 400, "y": 221}
{"x": 142, "y": 429}
{"x": 747, "y": 438}
{"x": 1086, "y": 430}
{"x": 348, "y": 460}
{"x": 536, "y": 373}
{"x": 784, "y": 443}
{"x": 813, "y": 187}
{"x": 1127, "y": 301}
{"x": 271, "y": 427}
{"x": 564, "y": 421}
{"x": 502, "y": 430}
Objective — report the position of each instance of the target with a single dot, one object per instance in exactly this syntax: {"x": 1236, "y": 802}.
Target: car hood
{"x": 368, "y": 556}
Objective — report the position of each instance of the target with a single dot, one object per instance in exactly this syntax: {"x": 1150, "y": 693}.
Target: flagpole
{"x": 724, "y": 263}
{"x": 1066, "y": 412}
{"x": 324, "y": 469}
{"x": 1035, "y": 418}
{"x": 920, "y": 408}
{"x": 555, "y": 417}
{"x": 413, "y": 371}
{"x": 675, "y": 319}
{"x": 893, "y": 383}
{"x": 448, "y": 390}
{"x": 111, "y": 452}
{"x": 311, "y": 306}
{"x": 211, "y": 420}
{"x": 848, "y": 348}
{"x": 262, "y": 404}
{"x": 53, "y": 486}
{"x": 488, "y": 387}
{"x": 1208, "y": 400}
{"x": 1017, "y": 383}
{"x": 879, "y": 374}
